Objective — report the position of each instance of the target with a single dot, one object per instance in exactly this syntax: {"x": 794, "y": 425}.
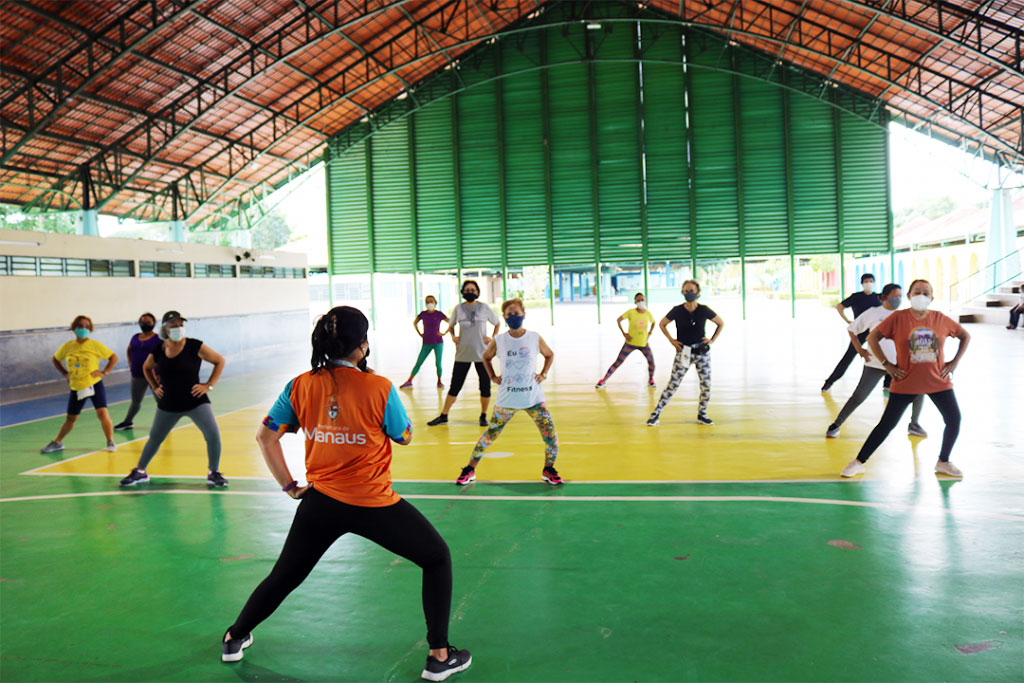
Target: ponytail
{"x": 337, "y": 334}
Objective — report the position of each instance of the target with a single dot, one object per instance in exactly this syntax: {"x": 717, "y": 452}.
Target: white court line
{"x": 123, "y": 443}
{"x": 579, "y": 499}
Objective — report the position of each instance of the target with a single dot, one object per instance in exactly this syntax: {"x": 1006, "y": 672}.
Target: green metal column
{"x": 888, "y": 209}
{"x": 740, "y": 222}
{"x": 411, "y": 130}
{"x": 786, "y": 122}
{"x": 545, "y": 107}
{"x": 837, "y": 151}
{"x": 330, "y": 287}
{"x": 499, "y": 105}
{"x": 458, "y": 184}
{"x": 690, "y": 170}
{"x": 641, "y": 142}
{"x": 330, "y": 251}
{"x": 594, "y": 191}
{"x": 369, "y": 228}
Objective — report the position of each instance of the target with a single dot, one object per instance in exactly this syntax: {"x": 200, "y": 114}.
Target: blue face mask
{"x": 81, "y": 332}
{"x": 895, "y": 301}
{"x": 690, "y": 296}
{"x": 514, "y": 321}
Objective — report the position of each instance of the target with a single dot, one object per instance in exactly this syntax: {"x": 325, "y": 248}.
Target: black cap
{"x": 171, "y": 316}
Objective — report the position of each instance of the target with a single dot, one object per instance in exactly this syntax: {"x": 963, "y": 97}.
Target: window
{"x": 56, "y": 266}
{"x": 213, "y": 270}
{"x": 163, "y": 269}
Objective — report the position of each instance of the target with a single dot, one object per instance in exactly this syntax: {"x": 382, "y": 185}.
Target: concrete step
{"x": 975, "y": 314}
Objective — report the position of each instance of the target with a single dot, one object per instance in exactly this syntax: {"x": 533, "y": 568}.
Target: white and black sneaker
{"x": 231, "y": 649}
{"x": 704, "y": 420}
{"x": 436, "y": 670}
{"x": 652, "y": 421}
{"x": 136, "y": 476}
{"x": 216, "y": 480}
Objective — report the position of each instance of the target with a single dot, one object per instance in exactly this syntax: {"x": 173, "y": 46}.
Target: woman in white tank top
{"x": 519, "y": 388}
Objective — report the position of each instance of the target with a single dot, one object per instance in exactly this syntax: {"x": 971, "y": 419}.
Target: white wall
{"x": 30, "y": 303}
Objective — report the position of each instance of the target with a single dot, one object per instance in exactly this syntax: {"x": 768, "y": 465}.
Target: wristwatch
{"x": 209, "y": 387}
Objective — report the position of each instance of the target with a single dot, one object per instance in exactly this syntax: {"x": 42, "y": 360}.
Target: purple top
{"x": 139, "y": 350}
{"x": 432, "y": 326}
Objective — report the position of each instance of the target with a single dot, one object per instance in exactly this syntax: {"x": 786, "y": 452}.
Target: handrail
{"x": 977, "y": 284}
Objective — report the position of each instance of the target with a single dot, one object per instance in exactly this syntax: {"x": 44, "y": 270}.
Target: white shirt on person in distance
{"x": 867, "y": 321}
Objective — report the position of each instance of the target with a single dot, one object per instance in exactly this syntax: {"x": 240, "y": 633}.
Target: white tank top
{"x": 518, "y": 355}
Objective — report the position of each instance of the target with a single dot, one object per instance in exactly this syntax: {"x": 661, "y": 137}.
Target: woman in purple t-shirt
{"x": 433, "y": 338}
{"x": 139, "y": 348}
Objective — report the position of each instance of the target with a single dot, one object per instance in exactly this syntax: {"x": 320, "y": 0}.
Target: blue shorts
{"x": 99, "y": 399}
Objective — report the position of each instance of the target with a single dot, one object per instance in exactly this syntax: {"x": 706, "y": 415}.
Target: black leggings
{"x": 945, "y": 401}
{"x": 320, "y": 520}
{"x": 459, "y": 373}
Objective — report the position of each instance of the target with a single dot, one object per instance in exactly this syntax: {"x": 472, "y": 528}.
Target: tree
{"x": 12, "y": 218}
{"x": 271, "y": 232}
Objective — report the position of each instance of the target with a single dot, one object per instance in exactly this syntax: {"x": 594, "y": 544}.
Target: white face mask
{"x": 641, "y": 305}
{"x": 920, "y": 302}
{"x": 176, "y": 334}
{"x": 431, "y": 307}
{"x": 869, "y": 287}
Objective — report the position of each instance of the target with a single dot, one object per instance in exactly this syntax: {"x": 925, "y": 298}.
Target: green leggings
{"x": 438, "y": 349}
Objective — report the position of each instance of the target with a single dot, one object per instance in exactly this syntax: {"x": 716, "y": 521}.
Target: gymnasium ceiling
{"x": 189, "y": 109}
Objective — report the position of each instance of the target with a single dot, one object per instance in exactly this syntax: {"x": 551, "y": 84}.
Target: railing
{"x": 985, "y": 281}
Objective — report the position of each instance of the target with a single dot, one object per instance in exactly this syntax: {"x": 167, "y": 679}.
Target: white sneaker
{"x": 854, "y": 468}
{"x": 111, "y": 447}
{"x": 914, "y": 429}
{"x": 947, "y": 468}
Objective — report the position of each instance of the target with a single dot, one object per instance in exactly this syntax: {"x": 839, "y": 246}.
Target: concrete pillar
{"x": 1001, "y": 241}
{"x": 177, "y": 231}
{"x": 88, "y": 223}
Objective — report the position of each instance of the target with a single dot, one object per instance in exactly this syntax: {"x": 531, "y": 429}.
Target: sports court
{"x": 572, "y": 155}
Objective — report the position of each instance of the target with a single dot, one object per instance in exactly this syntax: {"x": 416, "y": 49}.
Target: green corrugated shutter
{"x": 348, "y": 238}
{"x": 571, "y": 192}
{"x": 763, "y": 154}
{"x": 524, "y": 156}
{"x": 714, "y": 159}
{"x": 478, "y": 167}
{"x": 392, "y": 200}
{"x": 812, "y": 154}
{"x": 620, "y": 183}
{"x": 668, "y": 205}
{"x": 435, "y": 187}
{"x": 862, "y": 154}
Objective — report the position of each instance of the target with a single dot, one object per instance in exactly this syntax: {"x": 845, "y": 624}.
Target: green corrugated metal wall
{"x": 437, "y": 189}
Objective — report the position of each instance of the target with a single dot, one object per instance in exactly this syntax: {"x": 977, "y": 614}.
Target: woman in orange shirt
{"x": 348, "y": 416}
{"x": 920, "y": 368}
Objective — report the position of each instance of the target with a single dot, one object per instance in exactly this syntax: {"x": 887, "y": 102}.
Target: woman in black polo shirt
{"x": 691, "y": 347}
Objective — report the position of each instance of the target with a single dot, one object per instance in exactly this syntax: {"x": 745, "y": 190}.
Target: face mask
{"x": 470, "y": 296}
{"x": 431, "y": 307}
{"x": 146, "y": 327}
{"x": 895, "y": 302}
{"x": 920, "y": 302}
{"x": 869, "y": 287}
{"x": 362, "y": 364}
{"x": 176, "y": 334}
{"x": 641, "y": 305}
{"x": 690, "y": 296}
{"x": 514, "y": 321}
{"x": 81, "y": 332}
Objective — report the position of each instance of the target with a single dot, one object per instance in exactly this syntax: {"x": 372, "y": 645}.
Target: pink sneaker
{"x": 468, "y": 476}
{"x": 407, "y": 385}
{"x": 550, "y": 475}
{"x": 440, "y": 384}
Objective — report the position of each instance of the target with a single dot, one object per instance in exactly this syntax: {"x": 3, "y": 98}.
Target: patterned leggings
{"x": 624, "y": 353}
{"x": 703, "y": 363}
{"x": 502, "y": 416}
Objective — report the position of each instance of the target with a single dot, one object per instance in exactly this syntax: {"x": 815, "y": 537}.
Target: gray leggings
{"x": 163, "y": 423}
{"x": 139, "y": 386}
{"x": 868, "y": 381}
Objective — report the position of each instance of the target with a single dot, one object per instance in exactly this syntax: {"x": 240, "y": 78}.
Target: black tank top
{"x": 177, "y": 377}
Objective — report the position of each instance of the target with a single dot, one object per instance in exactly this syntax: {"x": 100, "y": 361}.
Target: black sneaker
{"x": 436, "y": 670}
{"x": 136, "y": 476}
{"x": 550, "y": 475}
{"x": 231, "y": 649}
{"x": 216, "y": 480}
{"x": 441, "y": 419}
{"x": 468, "y": 476}
{"x": 483, "y": 419}
{"x": 704, "y": 420}
{"x": 827, "y": 386}
{"x": 124, "y": 427}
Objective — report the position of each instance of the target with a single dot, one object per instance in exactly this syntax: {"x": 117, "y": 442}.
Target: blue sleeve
{"x": 282, "y": 417}
{"x": 396, "y": 421}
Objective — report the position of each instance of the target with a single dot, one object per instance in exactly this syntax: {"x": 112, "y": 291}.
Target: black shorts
{"x": 99, "y": 399}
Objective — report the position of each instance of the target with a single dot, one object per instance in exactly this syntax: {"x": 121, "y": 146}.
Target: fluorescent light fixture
{"x": 18, "y": 243}
{"x": 593, "y": 26}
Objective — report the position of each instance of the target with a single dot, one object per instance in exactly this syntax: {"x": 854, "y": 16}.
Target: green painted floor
{"x": 888, "y": 580}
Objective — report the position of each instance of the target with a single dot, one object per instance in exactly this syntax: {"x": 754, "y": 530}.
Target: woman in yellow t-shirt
{"x": 82, "y": 356}
{"x": 641, "y": 324}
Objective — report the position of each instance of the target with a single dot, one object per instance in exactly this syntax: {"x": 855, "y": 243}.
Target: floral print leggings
{"x": 502, "y": 416}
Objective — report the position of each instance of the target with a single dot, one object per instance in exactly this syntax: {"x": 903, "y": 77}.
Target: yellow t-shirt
{"x": 639, "y": 326}
{"x": 82, "y": 360}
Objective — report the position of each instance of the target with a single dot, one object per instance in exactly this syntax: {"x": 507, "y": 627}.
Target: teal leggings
{"x": 438, "y": 349}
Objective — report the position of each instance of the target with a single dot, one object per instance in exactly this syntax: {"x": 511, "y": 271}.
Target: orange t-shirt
{"x": 347, "y": 418}
{"x": 919, "y": 349}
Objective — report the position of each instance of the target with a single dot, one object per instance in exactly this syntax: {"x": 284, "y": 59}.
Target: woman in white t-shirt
{"x": 518, "y": 389}
{"x": 892, "y": 297}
